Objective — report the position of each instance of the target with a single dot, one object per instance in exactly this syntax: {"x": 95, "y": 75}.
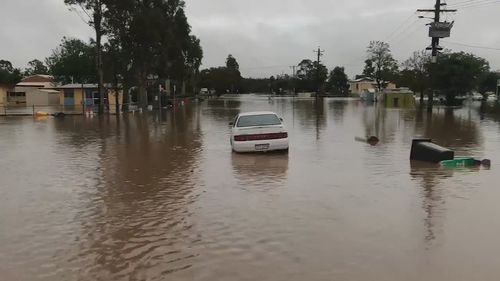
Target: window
{"x": 70, "y": 94}
{"x": 258, "y": 120}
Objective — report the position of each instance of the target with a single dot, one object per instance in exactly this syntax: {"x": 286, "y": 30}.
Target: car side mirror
{"x": 231, "y": 123}
{"x": 281, "y": 119}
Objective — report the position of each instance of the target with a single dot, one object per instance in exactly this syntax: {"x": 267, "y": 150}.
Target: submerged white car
{"x": 258, "y": 131}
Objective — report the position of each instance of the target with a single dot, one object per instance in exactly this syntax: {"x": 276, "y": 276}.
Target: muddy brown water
{"x": 152, "y": 197}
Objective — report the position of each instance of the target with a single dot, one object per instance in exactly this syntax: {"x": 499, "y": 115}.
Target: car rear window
{"x": 258, "y": 120}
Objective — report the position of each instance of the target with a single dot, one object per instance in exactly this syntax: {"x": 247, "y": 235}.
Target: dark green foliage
{"x": 415, "y": 73}
{"x": 72, "y": 61}
{"x": 338, "y": 81}
{"x": 8, "y": 74}
{"x": 456, "y": 74}
{"x": 223, "y": 79}
{"x": 310, "y": 75}
{"x": 36, "y": 67}
{"x": 488, "y": 82}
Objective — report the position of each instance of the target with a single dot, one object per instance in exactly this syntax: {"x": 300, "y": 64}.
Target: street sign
{"x": 440, "y": 29}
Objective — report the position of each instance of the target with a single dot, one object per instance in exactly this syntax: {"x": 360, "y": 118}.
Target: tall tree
{"x": 382, "y": 63}
{"x": 233, "y": 70}
{"x": 35, "y": 67}
{"x": 457, "y": 74}
{"x": 369, "y": 70}
{"x": 155, "y": 40}
{"x": 72, "y": 61}
{"x": 338, "y": 81}
{"x": 489, "y": 82}
{"x": 415, "y": 73}
{"x": 308, "y": 75}
{"x": 95, "y": 9}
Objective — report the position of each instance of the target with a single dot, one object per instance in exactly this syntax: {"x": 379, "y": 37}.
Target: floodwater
{"x": 152, "y": 197}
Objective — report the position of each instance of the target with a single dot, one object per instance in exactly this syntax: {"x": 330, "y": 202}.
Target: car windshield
{"x": 258, "y": 120}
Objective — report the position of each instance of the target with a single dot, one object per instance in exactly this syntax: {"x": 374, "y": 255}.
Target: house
{"x": 4, "y": 90}
{"x": 75, "y": 94}
{"x": 35, "y": 90}
{"x": 400, "y": 97}
{"x": 366, "y": 84}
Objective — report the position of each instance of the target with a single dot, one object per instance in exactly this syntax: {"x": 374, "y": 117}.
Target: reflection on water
{"x": 260, "y": 169}
{"x": 160, "y": 196}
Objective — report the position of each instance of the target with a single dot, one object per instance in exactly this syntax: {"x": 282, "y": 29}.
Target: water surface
{"x": 162, "y": 197}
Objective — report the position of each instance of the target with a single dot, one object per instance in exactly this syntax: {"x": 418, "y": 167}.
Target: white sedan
{"x": 258, "y": 131}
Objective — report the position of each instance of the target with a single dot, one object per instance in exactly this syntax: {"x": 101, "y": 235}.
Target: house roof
{"x": 50, "y": 91}
{"x": 362, "y": 79}
{"x": 38, "y": 78}
{"x": 78, "y": 86}
{"x": 84, "y": 85}
{"x": 34, "y": 84}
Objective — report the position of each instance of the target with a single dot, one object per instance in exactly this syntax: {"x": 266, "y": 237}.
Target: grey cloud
{"x": 267, "y": 36}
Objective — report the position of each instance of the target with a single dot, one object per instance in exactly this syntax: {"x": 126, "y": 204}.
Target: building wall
{"x": 3, "y": 96}
{"x": 37, "y": 98}
{"x": 112, "y": 97}
{"x": 78, "y": 97}
{"x": 402, "y": 100}
{"x": 359, "y": 87}
{"x": 53, "y": 98}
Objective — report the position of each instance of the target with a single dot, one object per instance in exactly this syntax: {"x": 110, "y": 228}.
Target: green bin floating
{"x": 460, "y": 162}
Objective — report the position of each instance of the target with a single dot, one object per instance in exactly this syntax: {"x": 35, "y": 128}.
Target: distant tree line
{"x": 310, "y": 75}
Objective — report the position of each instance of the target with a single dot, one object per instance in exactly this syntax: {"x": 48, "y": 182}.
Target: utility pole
{"x": 437, "y": 20}
{"x": 319, "y": 52}
{"x": 293, "y": 67}
{"x": 437, "y": 30}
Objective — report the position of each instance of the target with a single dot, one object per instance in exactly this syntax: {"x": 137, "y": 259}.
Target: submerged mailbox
{"x": 426, "y": 150}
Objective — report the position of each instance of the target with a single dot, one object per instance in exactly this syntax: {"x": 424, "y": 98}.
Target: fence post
{"x": 33, "y": 110}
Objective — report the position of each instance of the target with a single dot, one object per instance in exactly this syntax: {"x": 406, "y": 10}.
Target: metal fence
{"x": 34, "y": 110}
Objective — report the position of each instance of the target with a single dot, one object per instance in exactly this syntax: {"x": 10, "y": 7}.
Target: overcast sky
{"x": 268, "y": 36}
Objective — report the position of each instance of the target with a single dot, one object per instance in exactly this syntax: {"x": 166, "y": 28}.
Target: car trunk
{"x": 257, "y": 130}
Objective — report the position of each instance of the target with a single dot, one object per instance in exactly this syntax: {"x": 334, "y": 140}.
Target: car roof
{"x": 256, "y": 113}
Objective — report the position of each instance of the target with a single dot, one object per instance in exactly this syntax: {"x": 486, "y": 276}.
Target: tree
{"x": 154, "y": 39}
{"x": 233, "y": 70}
{"x": 320, "y": 74}
{"x": 217, "y": 78}
{"x": 72, "y": 61}
{"x": 309, "y": 74}
{"x": 488, "y": 82}
{"x": 369, "y": 70}
{"x": 380, "y": 63}
{"x": 36, "y": 67}
{"x": 95, "y": 9}
{"x": 9, "y": 74}
{"x": 232, "y": 64}
{"x": 338, "y": 81}
{"x": 415, "y": 73}
{"x": 457, "y": 74}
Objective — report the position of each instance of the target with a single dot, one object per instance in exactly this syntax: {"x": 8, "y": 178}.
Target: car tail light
{"x": 256, "y": 137}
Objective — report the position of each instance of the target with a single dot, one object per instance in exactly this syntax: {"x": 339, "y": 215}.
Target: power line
{"x": 80, "y": 15}
{"x": 263, "y": 67}
{"x": 472, "y": 46}
{"x": 404, "y": 31}
{"x": 403, "y": 24}
{"x": 479, "y": 3}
